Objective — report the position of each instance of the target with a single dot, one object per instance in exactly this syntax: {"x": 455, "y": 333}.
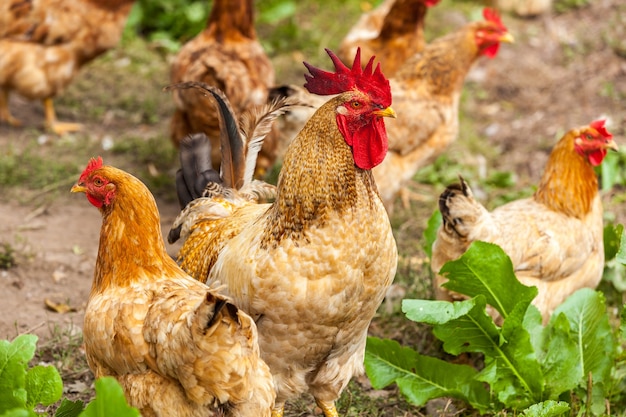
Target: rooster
{"x": 313, "y": 266}
{"x": 393, "y": 32}
{"x": 426, "y": 91}
{"x": 177, "y": 347}
{"x": 43, "y": 44}
{"x": 227, "y": 55}
{"x": 554, "y": 238}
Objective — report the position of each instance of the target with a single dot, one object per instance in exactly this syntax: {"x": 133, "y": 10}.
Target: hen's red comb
{"x": 599, "y": 126}
{"x": 491, "y": 15}
{"x": 345, "y": 79}
{"x": 94, "y": 163}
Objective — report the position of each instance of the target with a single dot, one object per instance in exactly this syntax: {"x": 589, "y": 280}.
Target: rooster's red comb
{"x": 599, "y": 126}
{"x": 491, "y": 15}
{"x": 345, "y": 79}
{"x": 94, "y": 163}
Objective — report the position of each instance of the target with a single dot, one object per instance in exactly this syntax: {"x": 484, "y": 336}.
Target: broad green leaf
{"x": 547, "y": 409}
{"x": 561, "y": 363}
{"x": 620, "y": 256}
{"x": 515, "y": 374}
{"x": 589, "y": 325}
{"x": 44, "y": 385}
{"x": 69, "y": 408}
{"x": 612, "y": 240}
{"x": 18, "y": 412}
{"x": 533, "y": 325}
{"x": 485, "y": 269}
{"x": 109, "y": 401}
{"x": 421, "y": 378}
{"x": 430, "y": 234}
{"x": 14, "y": 358}
{"x": 436, "y": 312}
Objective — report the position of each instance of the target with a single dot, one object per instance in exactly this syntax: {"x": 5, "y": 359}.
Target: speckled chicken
{"x": 394, "y": 31}
{"x": 226, "y": 55}
{"x": 177, "y": 347}
{"x": 554, "y": 238}
{"x": 43, "y": 44}
{"x": 313, "y": 266}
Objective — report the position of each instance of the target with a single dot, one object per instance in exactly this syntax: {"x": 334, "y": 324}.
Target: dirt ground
{"x": 563, "y": 71}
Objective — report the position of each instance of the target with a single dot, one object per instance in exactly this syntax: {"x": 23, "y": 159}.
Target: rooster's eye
{"x": 588, "y": 136}
{"x": 356, "y": 104}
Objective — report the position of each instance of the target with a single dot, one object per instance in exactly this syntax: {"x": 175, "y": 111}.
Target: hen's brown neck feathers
{"x": 318, "y": 177}
{"x": 231, "y": 19}
{"x": 131, "y": 245}
{"x": 569, "y": 183}
{"x": 404, "y": 17}
{"x": 444, "y": 63}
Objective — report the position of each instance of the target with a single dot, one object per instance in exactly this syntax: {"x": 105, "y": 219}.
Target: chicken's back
{"x": 556, "y": 253}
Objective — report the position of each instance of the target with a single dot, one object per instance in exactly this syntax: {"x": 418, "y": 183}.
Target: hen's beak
{"x": 610, "y": 144}
{"x": 507, "y": 38}
{"x": 77, "y": 188}
{"x": 388, "y": 112}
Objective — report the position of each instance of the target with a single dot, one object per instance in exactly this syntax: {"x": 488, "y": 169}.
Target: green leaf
{"x": 421, "y": 378}
{"x": 436, "y": 312}
{"x": 485, "y": 269}
{"x": 561, "y": 363}
{"x": 14, "y": 358}
{"x": 109, "y": 401}
{"x": 430, "y": 234}
{"x": 44, "y": 385}
{"x": 69, "y": 408}
{"x": 589, "y": 325}
{"x": 613, "y": 238}
{"x": 547, "y": 409}
{"x": 18, "y": 412}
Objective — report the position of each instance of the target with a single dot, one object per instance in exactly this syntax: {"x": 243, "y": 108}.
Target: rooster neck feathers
{"x": 569, "y": 183}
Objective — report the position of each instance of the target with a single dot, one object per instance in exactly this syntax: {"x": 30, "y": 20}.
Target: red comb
{"x": 345, "y": 79}
{"x": 599, "y": 126}
{"x": 491, "y": 15}
{"x": 94, "y": 163}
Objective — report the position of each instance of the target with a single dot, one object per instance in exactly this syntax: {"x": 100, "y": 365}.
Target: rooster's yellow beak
{"x": 388, "y": 112}
{"x": 77, "y": 188}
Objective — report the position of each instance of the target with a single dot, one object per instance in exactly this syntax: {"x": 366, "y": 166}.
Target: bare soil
{"x": 563, "y": 71}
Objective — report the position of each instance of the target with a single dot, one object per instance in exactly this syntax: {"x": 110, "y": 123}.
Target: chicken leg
{"x": 328, "y": 407}
{"x": 60, "y": 128}
{"x": 5, "y": 114}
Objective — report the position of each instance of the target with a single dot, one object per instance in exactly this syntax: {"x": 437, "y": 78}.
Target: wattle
{"x": 596, "y": 157}
{"x": 368, "y": 141}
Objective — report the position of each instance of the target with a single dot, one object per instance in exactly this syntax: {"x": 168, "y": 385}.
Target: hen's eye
{"x": 97, "y": 182}
{"x": 588, "y": 136}
{"x": 356, "y": 104}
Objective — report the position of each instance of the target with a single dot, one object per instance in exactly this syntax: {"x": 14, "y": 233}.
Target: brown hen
{"x": 393, "y": 32}
{"x": 43, "y": 44}
{"x": 313, "y": 266}
{"x": 177, "y": 347}
{"x": 554, "y": 239}
{"x": 226, "y": 55}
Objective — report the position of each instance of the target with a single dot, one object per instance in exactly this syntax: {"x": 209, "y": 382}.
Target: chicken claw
{"x": 60, "y": 128}
{"x": 278, "y": 411}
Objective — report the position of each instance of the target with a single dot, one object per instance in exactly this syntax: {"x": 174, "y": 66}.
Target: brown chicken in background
{"x": 426, "y": 92}
{"x": 554, "y": 238}
{"x": 393, "y": 32}
{"x": 227, "y": 55}
{"x": 177, "y": 347}
{"x": 43, "y": 44}
{"x": 313, "y": 266}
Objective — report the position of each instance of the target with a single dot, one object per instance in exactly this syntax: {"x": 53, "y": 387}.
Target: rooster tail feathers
{"x": 256, "y": 124}
{"x": 195, "y": 170}
{"x": 231, "y": 144}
